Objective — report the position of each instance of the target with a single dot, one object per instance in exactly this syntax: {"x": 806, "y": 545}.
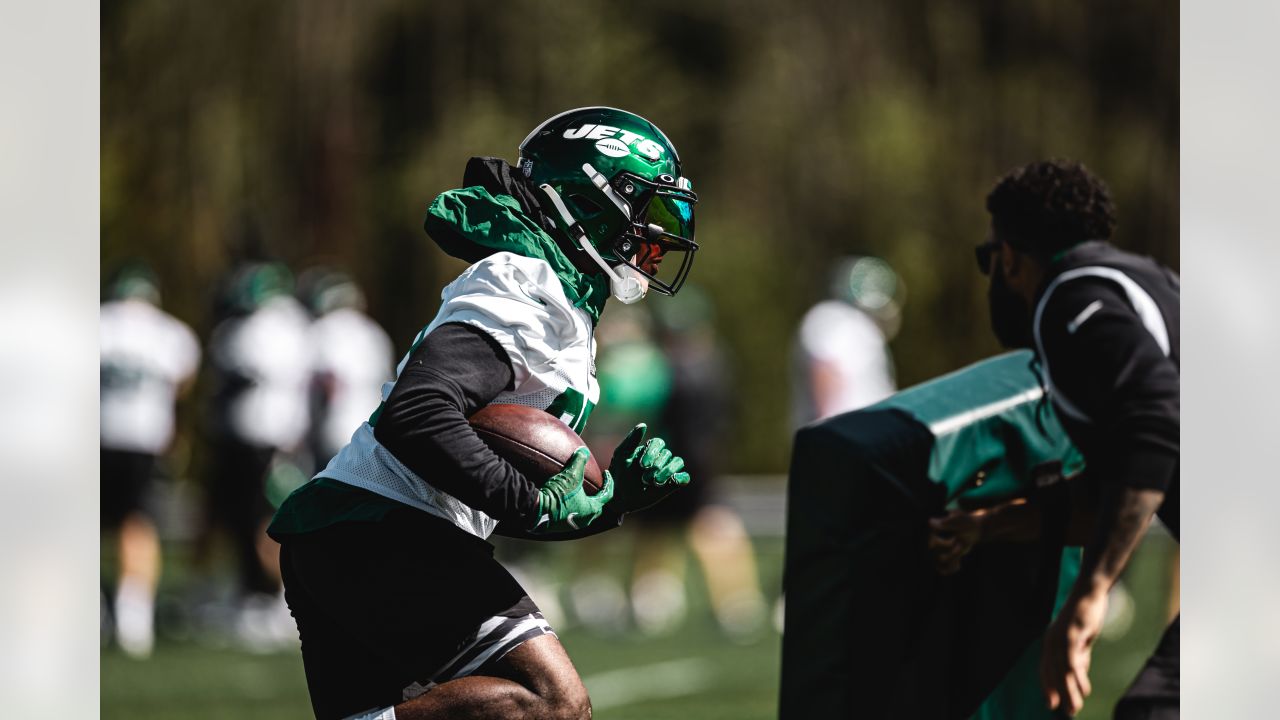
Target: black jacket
{"x": 1106, "y": 327}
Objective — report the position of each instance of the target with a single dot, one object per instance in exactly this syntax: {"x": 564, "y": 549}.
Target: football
{"x": 536, "y": 443}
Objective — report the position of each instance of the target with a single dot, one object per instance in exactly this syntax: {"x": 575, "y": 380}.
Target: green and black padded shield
{"x": 871, "y": 630}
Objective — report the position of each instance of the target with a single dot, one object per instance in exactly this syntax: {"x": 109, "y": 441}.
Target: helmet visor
{"x": 671, "y": 211}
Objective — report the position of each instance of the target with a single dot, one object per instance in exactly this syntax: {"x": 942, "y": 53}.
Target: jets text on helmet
{"x": 591, "y": 131}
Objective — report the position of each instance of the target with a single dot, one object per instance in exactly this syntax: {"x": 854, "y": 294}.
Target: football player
{"x": 401, "y": 608}
{"x": 149, "y": 359}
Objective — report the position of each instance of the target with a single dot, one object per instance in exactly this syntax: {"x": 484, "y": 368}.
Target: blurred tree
{"x": 810, "y": 129}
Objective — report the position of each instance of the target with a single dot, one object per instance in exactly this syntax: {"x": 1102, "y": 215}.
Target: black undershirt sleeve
{"x": 456, "y": 370}
{"x": 1105, "y": 362}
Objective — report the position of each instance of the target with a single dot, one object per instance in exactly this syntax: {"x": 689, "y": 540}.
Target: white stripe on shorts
{"x": 495, "y": 637}
{"x": 388, "y": 713}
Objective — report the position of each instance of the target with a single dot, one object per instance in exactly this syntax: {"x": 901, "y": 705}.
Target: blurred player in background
{"x": 668, "y": 365}
{"x": 148, "y": 359}
{"x": 841, "y": 360}
{"x": 1104, "y": 326}
{"x": 696, "y": 416}
{"x": 635, "y": 384}
{"x": 351, "y": 355}
{"x": 261, "y": 366}
{"x": 401, "y": 608}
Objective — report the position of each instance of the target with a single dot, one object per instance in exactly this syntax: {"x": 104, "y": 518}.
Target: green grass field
{"x": 694, "y": 673}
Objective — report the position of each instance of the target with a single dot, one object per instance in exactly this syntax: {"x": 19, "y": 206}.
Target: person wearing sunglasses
{"x": 1104, "y": 325}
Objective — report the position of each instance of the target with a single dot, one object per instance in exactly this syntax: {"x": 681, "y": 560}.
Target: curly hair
{"x": 1048, "y": 206}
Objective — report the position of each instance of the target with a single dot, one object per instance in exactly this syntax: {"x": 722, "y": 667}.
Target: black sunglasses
{"x": 984, "y": 253}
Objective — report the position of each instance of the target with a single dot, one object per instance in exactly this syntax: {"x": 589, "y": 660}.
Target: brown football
{"x": 536, "y": 443}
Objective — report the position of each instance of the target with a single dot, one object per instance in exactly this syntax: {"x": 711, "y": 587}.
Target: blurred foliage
{"x": 316, "y": 131}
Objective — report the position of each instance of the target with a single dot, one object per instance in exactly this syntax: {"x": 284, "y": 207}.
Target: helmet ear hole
{"x": 585, "y": 206}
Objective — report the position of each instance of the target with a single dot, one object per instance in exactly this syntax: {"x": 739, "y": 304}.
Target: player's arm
{"x": 187, "y": 348}
{"x": 1106, "y": 363}
{"x": 608, "y": 520}
{"x": 610, "y": 517}
{"x": 826, "y": 383}
{"x": 1068, "y": 643}
{"x": 1020, "y": 520}
{"x": 456, "y": 370}
{"x": 641, "y": 473}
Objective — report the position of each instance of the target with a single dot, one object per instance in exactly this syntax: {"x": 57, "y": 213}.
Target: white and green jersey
{"x": 520, "y": 302}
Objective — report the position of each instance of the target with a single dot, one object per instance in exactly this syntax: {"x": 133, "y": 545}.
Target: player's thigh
{"x": 542, "y": 665}
{"x": 418, "y": 596}
{"x": 344, "y": 674}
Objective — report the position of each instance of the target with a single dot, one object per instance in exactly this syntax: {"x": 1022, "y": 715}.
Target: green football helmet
{"x": 325, "y": 289}
{"x": 615, "y": 189}
{"x": 871, "y": 285}
{"x": 134, "y": 280}
{"x": 253, "y": 284}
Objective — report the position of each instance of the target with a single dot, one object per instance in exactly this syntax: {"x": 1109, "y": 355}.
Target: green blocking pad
{"x": 871, "y": 630}
{"x": 992, "y": 429}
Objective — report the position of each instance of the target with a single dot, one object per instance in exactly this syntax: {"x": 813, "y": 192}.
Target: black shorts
{"x": 125, "y": 484}
{"x": 237, "y": 488}
{"x": 387, "y": 610}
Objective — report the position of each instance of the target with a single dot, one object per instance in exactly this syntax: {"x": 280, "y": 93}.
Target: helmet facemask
{"x": 658, "y": 225}
{"x": 658, "y": 242}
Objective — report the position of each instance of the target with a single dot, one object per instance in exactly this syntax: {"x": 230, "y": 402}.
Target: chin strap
{"x": 602, "y": 184}
{"x": 625, "y": 283}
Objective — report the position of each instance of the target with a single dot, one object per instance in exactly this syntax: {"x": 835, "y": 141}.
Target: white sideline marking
{"x": 669, "y": 679}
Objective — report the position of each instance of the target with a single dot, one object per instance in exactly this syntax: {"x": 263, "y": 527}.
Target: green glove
{"x": 645, "y": 472}
{"x": 562, "y": 504}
